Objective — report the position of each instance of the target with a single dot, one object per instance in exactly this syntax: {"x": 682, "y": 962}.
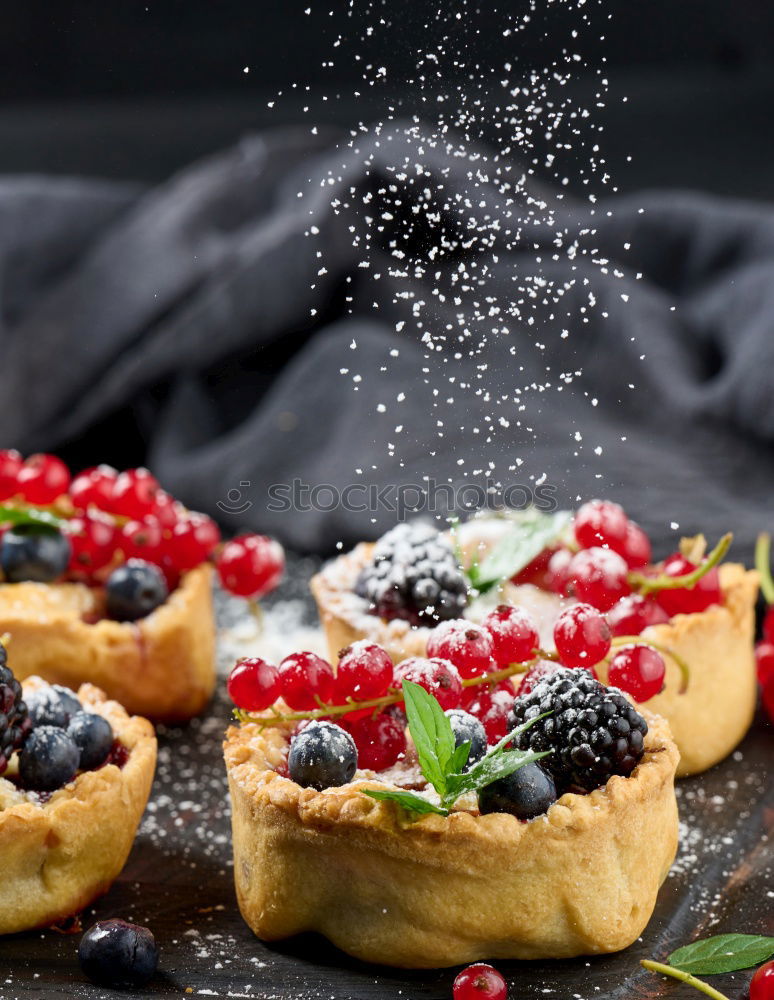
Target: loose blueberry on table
{"x": 117, "y": 954}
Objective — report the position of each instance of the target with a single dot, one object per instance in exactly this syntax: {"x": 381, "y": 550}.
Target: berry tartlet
{"x": 414, "y": 584}
{"x": 76, "y": 774}
{"x": 410, "y": 831}
{"x": 107, "y": 580}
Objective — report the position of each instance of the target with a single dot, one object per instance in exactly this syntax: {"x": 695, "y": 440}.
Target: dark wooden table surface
{"x": 178, "y": 881}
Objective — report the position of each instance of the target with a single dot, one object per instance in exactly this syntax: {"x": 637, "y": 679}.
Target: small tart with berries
{"x": 403, "y": 591}
{"x": 65, "y": 840}
{"x": 554, "y": 849}
{"x": 160, "y": 666}
{"x": 106, "y": 579}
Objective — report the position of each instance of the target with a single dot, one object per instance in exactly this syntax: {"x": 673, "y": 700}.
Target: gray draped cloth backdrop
{"x": 194, "y": 316}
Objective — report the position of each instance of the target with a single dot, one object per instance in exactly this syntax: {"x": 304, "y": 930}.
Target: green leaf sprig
{"x": 442, "y": 763}
{"x": 712, "y": 956}
{"x": 38, "y": 516}
{"x": 533, "y": 531}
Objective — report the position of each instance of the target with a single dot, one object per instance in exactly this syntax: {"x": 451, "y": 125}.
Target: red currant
{"x": 600, "y": 522}
{"x": 768, "y": 624}
{"x": 253, "y": 684}
{"x": 762, "y": 983}
{"x": 764, "y": 661}
{"x": 250, "y": 565}
{"x": 491, "y": 706}
{"x": 93, "y": 487}
{"x": 634, "y": 613}
{"x": 582, "y": 636}
{"x": 43, "y": 478}
{"x": 92, "y": 541}
{"x": 635, "y": 548}
{"x": 364, "y": 672}
{"x": 141, "y": 540}
{"x": 536, "y": 572}
{"x": 134, "y": 493}
{"x": 768, "y": 698}
{"x": 689, "y": 601}
{"x": 514, "y": 634}
{"x": 167, "y": 510}
{"x": 10, "y": 466}
{"x": 467, "y": 646}
{"x": 536, "y": 674}
{"x": 480, "y": 982}
{"x": 193, "y": 539}
{"x": 302, "y": 676}
{"x": 380, "y": 740}
{"x": 440, "y": 678}
{"x": 598, "y": 576}
{"x": 637, "y": 670}
{"x": 558, "y": 565}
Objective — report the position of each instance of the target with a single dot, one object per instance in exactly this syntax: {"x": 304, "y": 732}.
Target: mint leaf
{"x": 30, "y": 515}
{"x": 497, "y": 763}
{"x": 431, "y": 732}
{"x": 531, "y": 533}
{"x": 460, "y": 757}
{"x": 408, "y": 800}
{"x": 723, "y": 953}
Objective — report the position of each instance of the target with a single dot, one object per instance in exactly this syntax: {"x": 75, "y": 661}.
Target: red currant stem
{"x": 391, "y": 698}
{"x": 256, "y": 611}
{"x": 684, "y": 977}
{"x": 646, "y": 585}
{"x": 636, "y": 640}
{"x": 763, "y": 565}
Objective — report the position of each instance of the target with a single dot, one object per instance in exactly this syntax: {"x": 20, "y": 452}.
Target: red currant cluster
{"x": 467, "y": 666}
{"x": 110, "y": 517}
{"x": 583, "y": 638}
{"x": 610, "y": 561}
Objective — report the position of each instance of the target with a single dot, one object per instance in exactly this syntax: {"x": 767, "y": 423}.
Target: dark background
{"x": 137, "y": 89}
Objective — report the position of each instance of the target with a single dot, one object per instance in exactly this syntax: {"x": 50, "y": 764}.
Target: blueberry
{"x": 53, "y": 705}
{"x": 468, "y": 729}
{"x": 31, "y": 552}
{"x": 118, "y": 954}
{"x": 134, "y": 590}
{"x": 93, "y": 736}
{"x": 48, "y": 760}
{"x": 321, "y": 756}
{"x": 526, "y": 793}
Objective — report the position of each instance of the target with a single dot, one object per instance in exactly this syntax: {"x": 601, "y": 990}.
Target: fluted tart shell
{"x": 60, "y": 853}
{"x": 441, "y": 891}
{"x": 161, "y": 666}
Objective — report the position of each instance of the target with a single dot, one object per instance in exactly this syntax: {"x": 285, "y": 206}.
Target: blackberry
{"x": 414, "y": 575}
{"x": 15, "y": 722}
{"x": 593, "y": 730}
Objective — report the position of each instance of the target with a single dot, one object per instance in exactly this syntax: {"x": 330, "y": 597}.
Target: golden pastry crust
{"x": 716, "y": 711}
{"x": 707, "y": 722}
{"x": 437, "y": 891}
{"x": 162, "y": 666}
{"x": 61, "y": 854}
